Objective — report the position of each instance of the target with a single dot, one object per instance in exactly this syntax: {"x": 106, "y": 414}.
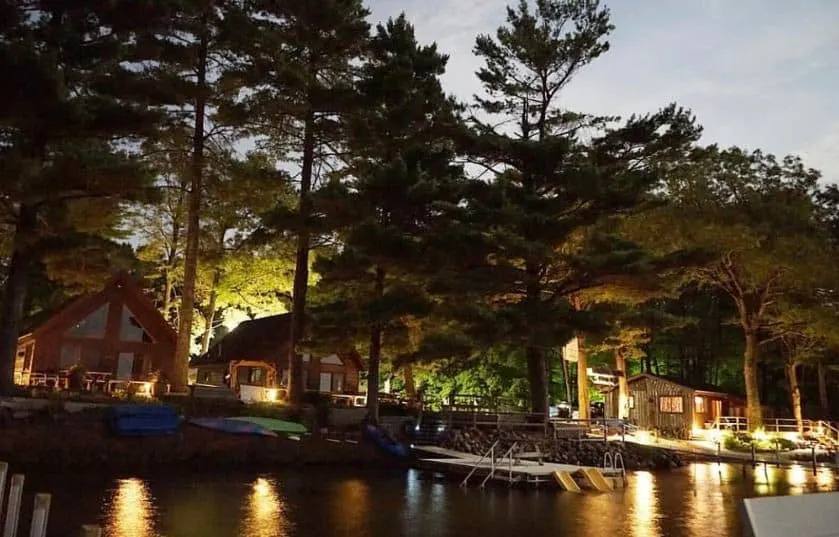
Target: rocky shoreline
{"x": 564, "y": 451}
{"x": 81, "y": 441}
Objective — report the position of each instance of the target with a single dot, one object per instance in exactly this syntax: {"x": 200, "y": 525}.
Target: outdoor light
{"x": 271, "y": 394}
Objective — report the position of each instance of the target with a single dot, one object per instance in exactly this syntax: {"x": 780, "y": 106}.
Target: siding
{"x": 646, "y": 393}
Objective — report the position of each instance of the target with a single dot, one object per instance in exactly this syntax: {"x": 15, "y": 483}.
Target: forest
{"x": 244, "y": 158}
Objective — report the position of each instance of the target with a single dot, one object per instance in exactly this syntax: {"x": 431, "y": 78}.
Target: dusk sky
{"x": 757, "y": 73}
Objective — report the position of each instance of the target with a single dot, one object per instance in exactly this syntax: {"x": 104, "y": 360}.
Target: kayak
{"x": 279, "y": 426}
{"x": 384, "y": 442}
{"x": 232, "y": 426}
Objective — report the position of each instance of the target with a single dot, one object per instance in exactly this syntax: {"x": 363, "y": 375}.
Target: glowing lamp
{"x": 271, "y": 394}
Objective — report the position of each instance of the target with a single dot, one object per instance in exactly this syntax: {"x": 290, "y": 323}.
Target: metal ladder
{"x": 614, "y": 462}
{"x": 507, "y": 455}
{"x": 491, "y": 453}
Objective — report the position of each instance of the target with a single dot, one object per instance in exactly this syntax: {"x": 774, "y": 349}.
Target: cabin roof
{"x": 264, "y": 339}
{"x": 696, "y": 387}
{"x": 77, "y": 308}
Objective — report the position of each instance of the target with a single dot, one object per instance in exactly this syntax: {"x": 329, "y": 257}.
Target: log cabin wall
{"x": 658, "y": 404}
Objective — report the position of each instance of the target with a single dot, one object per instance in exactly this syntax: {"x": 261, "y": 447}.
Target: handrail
{"x": 507, "y": 453}
{"x": 608, "y": 461}
{"x": 491, "y": 451}
{"x": 619, "y": 457}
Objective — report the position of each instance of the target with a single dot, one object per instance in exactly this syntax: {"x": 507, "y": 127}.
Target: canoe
{"x": 143, "y": 420}
{"x": 231, "y": 426}
{"x": 279, "y": 426}
{"x": 384, "y": 442}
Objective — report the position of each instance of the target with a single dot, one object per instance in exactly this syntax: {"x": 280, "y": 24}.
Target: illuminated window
{"x": 699, "y": 405}
{"x": 92, "y": 326}
{"x": 671, "y": 405}
{"x": 631, "y": 402}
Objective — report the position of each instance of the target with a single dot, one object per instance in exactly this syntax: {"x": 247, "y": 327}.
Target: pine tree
{"x": 555, "y": 172}
{"x": 73, "y": 108}
{"x": 298, "y": 62}
{"x": 400, "y": 167}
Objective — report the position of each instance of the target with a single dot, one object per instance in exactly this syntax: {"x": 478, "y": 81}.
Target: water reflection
{"x": 644, "y": 515}
{"x": 263, "y": 511}
{"x": 697, "y": 501}
{"x": 131, "y": 511}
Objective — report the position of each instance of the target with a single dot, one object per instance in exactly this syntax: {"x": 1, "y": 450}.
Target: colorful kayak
{"x": 231, "y": 426}
{"x": 279, "y": 426}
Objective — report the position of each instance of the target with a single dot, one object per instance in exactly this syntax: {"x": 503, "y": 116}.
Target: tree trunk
{"x": 301, "y": 267}
{"x": 410, "y": 385}
{"x": 537, "y": 378}
{"x": 824, "y": 403}
{"x": 566, "y": 378}
{"x": 583, "y": 401}
{"x": 750, "y": 375}
{"x": 210, "y": 315}
{"x": 375, "y": 355}
{"x": 14, "y": 294}
{"x": 193, "y": 220}
{"x": 623, "y": 385}
{"x": 166, "y": 309}
{"x": 795, "y": 395}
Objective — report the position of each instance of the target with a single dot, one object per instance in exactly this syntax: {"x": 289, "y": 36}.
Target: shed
{"x": 116, "y": 335}
{"x": 672, "y": 406}
{"x": 255, "y": 354}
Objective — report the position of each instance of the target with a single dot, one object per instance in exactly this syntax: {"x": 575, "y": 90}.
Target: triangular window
{"x": 92, "y": 326}
{"x": 130, "y": 328}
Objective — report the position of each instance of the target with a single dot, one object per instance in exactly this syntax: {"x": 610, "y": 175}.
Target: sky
{"x": 760, "y": 74}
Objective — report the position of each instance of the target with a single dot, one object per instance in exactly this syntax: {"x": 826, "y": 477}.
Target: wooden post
{"x": 623, "y": 432}
{"x": 13, "y": 510}
{"x": 777, "y": 454}
{"x": 719, "y": 449}
{"x": 89, "y": 530}
{"x": 813, "y": 448}
{"x": 754, "y": 455}
{"x": 4, "y": 470}
{"x": 40, "y": 515}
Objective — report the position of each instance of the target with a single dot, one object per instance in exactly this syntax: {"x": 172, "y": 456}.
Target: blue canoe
{"x": 385, "y": 442}
{"x": 143, "y": 420}
{"x": 232, "y": 426}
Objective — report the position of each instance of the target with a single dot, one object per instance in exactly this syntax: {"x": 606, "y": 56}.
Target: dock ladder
{"x": 614, "y": 462}
{"x": 491, "y": 453}
{"x": 507, "y": 455}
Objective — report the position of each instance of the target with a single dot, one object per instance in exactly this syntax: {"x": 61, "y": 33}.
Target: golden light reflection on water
{"x": 264, "y": 514}
{"x": 131, "y": 513}
{"x": 351, "y": 506}
{"x": 704, "y": 506}
{"x": 645, "y": 502}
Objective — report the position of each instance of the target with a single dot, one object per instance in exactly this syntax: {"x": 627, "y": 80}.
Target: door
{"x": 125, "y": 365}
{"x": 325, "y": 382}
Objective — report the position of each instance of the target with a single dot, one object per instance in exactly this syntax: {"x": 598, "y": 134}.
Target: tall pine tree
{"x": 298, "y": 63}
{"x": 72, "y": 106}
{"x": 554, "y": 172}
{"x": 400, "y": 168}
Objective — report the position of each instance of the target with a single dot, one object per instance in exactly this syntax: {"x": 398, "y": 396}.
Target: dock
{"x": 522, "y": 468}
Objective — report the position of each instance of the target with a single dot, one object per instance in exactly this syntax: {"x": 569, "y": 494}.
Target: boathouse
{"x": 671, "y": 405}
{"x": 255, "y": 354}
{"x": 116, "y": 335}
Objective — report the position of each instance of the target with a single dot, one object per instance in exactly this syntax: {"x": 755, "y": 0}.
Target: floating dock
{"x": 520, "y": 469}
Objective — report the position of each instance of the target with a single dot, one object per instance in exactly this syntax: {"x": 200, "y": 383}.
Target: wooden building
{"x": 671, "y": 406}
{"x": 116, "y": 335}
{"x": 255, "y": 354}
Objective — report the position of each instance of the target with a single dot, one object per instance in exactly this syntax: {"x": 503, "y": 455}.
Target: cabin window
{"x": 93, "y": 325}
{"x": 631, "y": 402}
{"x": 70, "y": 356}
{"x": 699, "y": 405}
{"x": 130, "y": 329}
{"x": 671, "y": 404}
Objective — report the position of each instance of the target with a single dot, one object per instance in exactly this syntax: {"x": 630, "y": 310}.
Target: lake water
{"x": 696, "y": 501}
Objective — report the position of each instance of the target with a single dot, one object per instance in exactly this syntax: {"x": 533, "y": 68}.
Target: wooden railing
{"x": 459, "y": 416}
{"x": 819, "y": 428}
{"x": 597, "y": 427}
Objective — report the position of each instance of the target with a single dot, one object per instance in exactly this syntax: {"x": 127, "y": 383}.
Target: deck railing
{"x": 459, "y": 416}
{"x": 819, "y": 428}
